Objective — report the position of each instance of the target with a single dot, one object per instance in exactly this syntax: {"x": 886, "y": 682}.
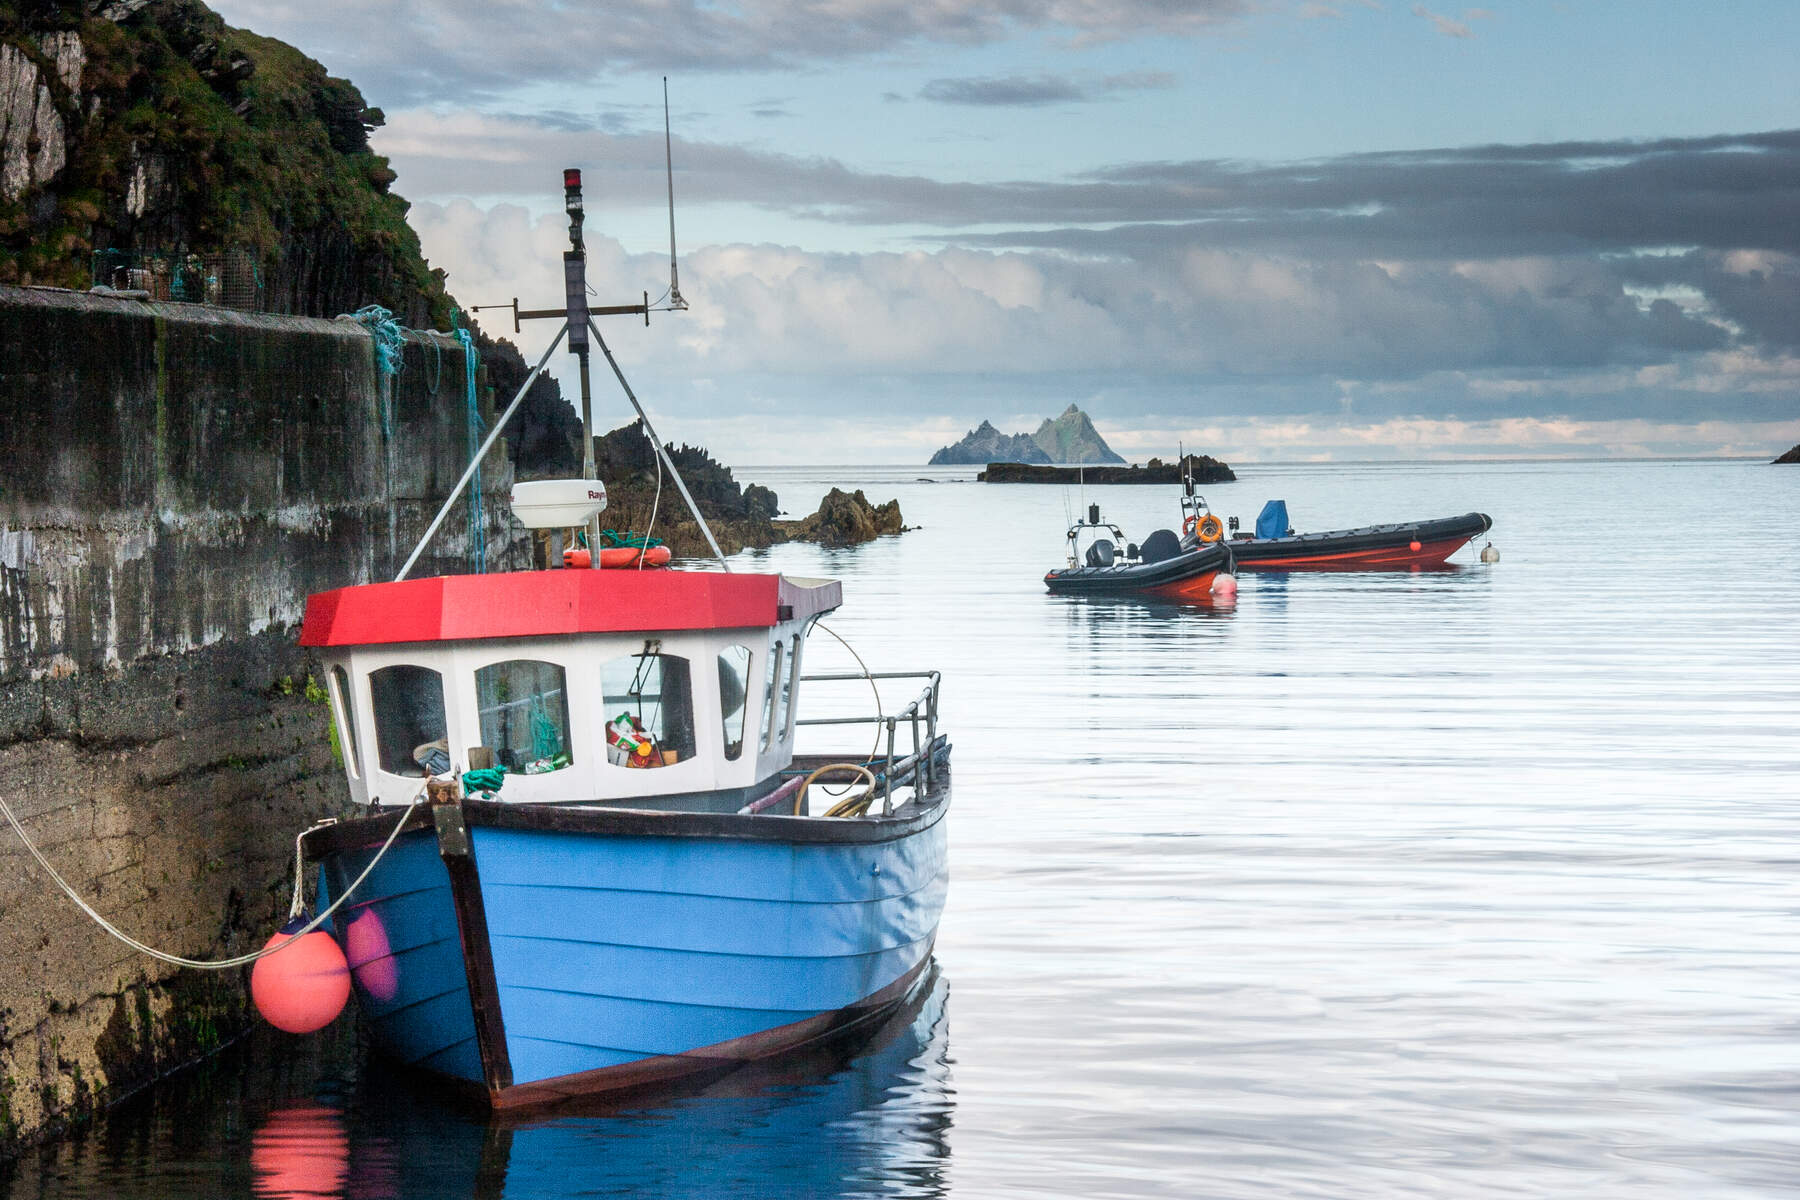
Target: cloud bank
{"x": 1369, "y": 267}
{"x": 468, "y": 51}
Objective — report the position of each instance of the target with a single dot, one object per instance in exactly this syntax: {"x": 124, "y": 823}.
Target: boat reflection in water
{"x": 864, "y": 1116}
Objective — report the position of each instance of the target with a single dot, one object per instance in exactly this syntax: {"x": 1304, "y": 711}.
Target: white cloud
{"x": 1450, "y": 26}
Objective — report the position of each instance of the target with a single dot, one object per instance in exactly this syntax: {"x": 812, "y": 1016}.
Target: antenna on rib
{"x": 675, "y": 300}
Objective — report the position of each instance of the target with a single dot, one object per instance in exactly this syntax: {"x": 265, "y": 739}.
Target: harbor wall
{"x": 174, "y": 480}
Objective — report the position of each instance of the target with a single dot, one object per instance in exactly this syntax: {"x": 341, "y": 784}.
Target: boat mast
{"x": 578, "y": 326}
{"x": 675, "y": 300}
{"x": 576, "y": 305}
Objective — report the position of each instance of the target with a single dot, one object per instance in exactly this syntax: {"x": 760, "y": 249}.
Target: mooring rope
{"x": 214, "y": 964}
{"x": 389, "y": 342}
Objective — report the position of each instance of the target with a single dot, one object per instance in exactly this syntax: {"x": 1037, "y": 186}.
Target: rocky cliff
{"x": 985, "y": 444}
{"x": 1792, "y": 456}
{"x": 1069, "y": 438}
{"x": 139, "y": 136}
{"x": 1072, "y": 438}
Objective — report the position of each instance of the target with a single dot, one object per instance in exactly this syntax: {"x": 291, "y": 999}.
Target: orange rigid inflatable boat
{"x": 1407, "y": 545}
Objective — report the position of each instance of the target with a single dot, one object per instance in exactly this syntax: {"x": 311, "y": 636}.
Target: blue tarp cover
{"x": 1272, "y": 522}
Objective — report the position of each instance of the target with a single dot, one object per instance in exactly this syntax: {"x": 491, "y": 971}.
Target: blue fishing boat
{"x": 590, "y": 857}
{"x": 614, "y": 917}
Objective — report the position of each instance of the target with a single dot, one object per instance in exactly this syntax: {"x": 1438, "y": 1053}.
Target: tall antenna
{"x": 675, "y": 300}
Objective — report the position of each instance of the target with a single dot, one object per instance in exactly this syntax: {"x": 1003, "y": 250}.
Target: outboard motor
{"x": 1100, "y": 554}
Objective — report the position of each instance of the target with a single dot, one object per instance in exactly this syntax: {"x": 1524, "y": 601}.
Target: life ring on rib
{"x": 1210, "y": 529}
{"x": 627, "y": 556}
{"x": 619, "y": 556}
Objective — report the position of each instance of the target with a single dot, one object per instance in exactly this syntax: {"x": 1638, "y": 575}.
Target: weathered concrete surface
{"x": 173, "y": 481}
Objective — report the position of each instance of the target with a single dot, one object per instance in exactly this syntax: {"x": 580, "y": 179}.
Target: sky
{"x": 1265, "y": 229}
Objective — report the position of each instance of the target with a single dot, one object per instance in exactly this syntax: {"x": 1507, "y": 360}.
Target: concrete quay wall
{"x": 174, "y": 480}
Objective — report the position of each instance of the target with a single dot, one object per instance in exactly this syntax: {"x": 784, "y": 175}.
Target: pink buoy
{"x": 305, "y": 987}
{"x": 1414, "y": 547}
{"x": 371, "y": 958}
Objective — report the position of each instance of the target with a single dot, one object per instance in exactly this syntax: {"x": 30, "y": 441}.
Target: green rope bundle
{"x": 484, "y": 781}
{"x": 628, "y": 540}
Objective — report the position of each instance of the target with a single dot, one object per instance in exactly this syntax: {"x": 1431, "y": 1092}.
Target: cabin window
{"x": 734, "y": 696}
{"x": 770, "y": 687}
{"x": 345, "y": 713}
{"x": 790, "y": 683}
{"x": 649, "y": 710}
{"x": 410, "y": 736}
{"x": 524, "y": 708}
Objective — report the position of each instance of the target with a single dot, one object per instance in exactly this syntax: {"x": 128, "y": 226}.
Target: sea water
{"x": 1466, "y": 883}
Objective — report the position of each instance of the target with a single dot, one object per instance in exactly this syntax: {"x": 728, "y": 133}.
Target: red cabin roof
{"x": 553, "y": 603}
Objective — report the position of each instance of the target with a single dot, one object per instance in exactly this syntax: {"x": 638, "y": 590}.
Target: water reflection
{"x": 1125, "y": 608}
{"x": 866, "y": 1115}
{"x": 301, "y": 1151}
{"x": 870, "y": 1118}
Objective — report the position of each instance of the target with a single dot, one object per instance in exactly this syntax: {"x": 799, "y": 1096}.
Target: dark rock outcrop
{"x": 846, "y": 519}
{"x": 985, "y": 444}
{"x": 543, "y": 439}
{"x": 1792, "y": 456}
{"x": 740, "y": 516}
{"x": 1206, "y": 469}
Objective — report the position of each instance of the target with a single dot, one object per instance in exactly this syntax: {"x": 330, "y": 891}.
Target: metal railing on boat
{"x": 924, "y": 707}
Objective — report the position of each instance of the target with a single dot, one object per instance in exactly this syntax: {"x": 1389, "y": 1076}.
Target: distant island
{"x": 1792, "y": 456}
{"x": 1205, "y": 468}
{"x": 1070, "y": 438}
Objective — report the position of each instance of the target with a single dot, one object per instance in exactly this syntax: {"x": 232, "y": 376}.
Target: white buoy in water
{"x": 1224, "y": 586}
{"x": 1489, "y": 554}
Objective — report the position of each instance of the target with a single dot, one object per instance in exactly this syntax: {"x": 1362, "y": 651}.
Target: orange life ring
{"x": 619, "y": 556}
{"x": 627, "y": 556}
{"x": 1210, "y": 528}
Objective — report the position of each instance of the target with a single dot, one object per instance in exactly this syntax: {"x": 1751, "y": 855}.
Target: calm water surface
{"x": 1474, "y": 883}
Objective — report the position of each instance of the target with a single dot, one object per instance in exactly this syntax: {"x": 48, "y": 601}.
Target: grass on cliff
{"x": 276, "y": 162}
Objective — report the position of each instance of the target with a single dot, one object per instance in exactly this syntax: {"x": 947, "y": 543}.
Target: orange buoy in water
{"x": 1414, "y": 547}
{"x": 304, "y": 987}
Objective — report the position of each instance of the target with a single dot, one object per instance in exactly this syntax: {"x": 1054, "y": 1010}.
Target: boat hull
{"x": 1186, "y": 576}
{"x": 1405, "y": 546}
{"x": 558, "y": 952}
